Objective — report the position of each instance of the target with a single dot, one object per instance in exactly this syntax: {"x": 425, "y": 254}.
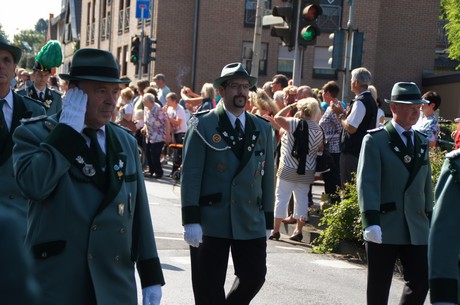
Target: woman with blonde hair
{"x": 301, "y": 141}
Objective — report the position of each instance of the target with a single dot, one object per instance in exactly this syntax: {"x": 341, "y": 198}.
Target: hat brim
{"x": 411, "y": 102}
{"x": 15, "y": 51}
{"x": 94, "y": 78}
{"x": 218, "y": 82}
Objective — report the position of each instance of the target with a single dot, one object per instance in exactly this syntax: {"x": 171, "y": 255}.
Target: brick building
{"x": 195, "y": 39}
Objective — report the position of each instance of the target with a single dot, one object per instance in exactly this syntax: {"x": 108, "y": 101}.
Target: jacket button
{"x": 210, "y": 203}
{"x": 94, "y": 227}
{"x": 90, "y": 257}
{"x": 12, "y": 196}
{"x": 117, "y": 258}
{"x": 44, "y": 254}
{"x": 122, "y": 231}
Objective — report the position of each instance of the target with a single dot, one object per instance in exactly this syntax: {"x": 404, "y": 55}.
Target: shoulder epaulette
{"x": 421, "y": 133}
{"x": 28, "y": 98}
{"x": 453, "y": 154}
{"x": 121, "y": 127}
{"x": 375, "y": 129}
{"x": 33, "y": 119}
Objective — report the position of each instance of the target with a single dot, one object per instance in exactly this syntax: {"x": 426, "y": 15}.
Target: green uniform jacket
{"x": 230, "y": 198}
{"x": 11, "y": 197}
{"x": 85, "y": 236}
{"x": 391, "y": 193}
{"x": 53, "y": 100}
{"x": 444, "y": 242}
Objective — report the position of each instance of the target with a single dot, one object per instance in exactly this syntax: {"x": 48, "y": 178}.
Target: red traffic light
{"x": 312, "y": 12}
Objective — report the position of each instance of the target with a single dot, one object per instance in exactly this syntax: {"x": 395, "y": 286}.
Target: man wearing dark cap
{"x": 39, "y": 90}
{"x": 396, "y": 199}
{"x": 88, "y": 215}
{"x": 16, "y": 283}
{"x": 227, "y": 191}
{"x": 13, "y": 108}
{"x": 163, "y": 89}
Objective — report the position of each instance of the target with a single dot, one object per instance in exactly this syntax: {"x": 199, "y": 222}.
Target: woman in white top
{"x": 301, "y": 140}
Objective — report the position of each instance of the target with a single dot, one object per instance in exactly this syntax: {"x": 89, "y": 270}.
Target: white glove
{"x": 193, "y": 234}
{"x": 151, "y": 295}
{"x": 373, "y": 234}
{"x": 74, "y": 109}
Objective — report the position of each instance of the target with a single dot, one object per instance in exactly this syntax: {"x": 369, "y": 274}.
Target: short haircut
{"x": 281, "y": 79}
{"x": 362, "y": 76}
{"x": 142, "y": 84}
{"x": 332, "y": 87}
{"x": 432, "y": 97}
{"x": 172, "y": 96}
{"x": 128, "y": 93}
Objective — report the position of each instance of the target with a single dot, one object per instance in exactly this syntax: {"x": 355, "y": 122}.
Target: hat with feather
{"x": 50, "y": 56}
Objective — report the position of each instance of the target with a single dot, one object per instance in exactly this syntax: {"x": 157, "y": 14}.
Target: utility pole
{"x": 298, "y": 62}
{"x": 346, "y": 79}
{"x": 260, "y": 12}
{"x": 141, "y": 49}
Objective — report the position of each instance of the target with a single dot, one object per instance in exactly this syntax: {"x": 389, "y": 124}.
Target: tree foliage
{"x": 450, "y": 10}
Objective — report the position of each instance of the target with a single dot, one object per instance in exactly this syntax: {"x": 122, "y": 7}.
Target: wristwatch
{"x": 340, "y": 116}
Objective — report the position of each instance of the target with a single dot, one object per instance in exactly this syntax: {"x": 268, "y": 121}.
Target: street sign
{"x": 142, "y": 9}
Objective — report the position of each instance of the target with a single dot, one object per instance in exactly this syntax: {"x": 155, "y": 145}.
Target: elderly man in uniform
{"x": 13, "y": 108}
{"x": 17, "y": 285}
{"x": 227, "y": 190}
{"x": 50, "y": 56}
{"x": 396, "y": 199}
{"x": 89, "y": 216}
{"x": 444, "y": 243}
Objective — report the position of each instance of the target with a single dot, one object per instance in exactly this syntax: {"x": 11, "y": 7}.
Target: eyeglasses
{"x": 238, "y": 86}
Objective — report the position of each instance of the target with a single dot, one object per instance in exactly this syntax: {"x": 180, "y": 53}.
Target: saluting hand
{"x": 74, "y": 109}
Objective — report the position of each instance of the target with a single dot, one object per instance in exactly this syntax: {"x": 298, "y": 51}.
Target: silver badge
{"x": 121, "y": 209}
{"x": 88, "y": 170}
{"x": 407, "y": 159}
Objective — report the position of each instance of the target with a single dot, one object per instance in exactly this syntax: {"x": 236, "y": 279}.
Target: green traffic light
{"x": 308, "y": 34}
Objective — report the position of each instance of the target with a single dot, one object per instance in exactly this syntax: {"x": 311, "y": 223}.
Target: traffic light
{"x": 149, "y": 50}
{"x": 308, "y": 27}
{"x": 286, "y": 33}
{"x": 336, "y": 50}
{"x": 135, "y": 42}
{"x": 357, "y": 53}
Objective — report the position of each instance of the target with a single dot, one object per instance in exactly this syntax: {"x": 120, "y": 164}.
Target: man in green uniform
{"x": 396, "y": 199}
{"x": 444, "y": 241}
{"x": 227, "y": 191}
{"x": 13, "y": 108}
{"x": 89, "y": 219}
{"x": 50, "y": 56}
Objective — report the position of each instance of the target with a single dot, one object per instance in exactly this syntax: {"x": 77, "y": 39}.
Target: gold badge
{"x": 221, "y": 167}
{"x": 216, "y": 138}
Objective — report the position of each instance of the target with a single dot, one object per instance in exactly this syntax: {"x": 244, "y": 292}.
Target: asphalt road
{"x": 295, "y": 275}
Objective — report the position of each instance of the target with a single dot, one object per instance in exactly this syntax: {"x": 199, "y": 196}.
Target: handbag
{"x": 325, "y": 161}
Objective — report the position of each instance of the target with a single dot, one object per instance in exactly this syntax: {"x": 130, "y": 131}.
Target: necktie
{"x": 239, "y": 129}
{"x": 410, "y": 146}
{"x": 41, "y": 96}
{"x": 3, "y": 127}
{"x": 95, "y": 148}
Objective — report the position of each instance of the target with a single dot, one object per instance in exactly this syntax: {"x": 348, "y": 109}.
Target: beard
{"x": 239, "y": 101}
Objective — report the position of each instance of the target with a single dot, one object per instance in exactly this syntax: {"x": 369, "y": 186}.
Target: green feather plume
{"x": 50, "y": 55}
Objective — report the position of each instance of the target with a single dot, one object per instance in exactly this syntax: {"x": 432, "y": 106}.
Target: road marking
{"x": 336, "y": 264}
{"x": 290, "y": 248}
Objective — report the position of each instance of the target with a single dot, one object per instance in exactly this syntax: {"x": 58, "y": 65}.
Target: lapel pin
{"x": 121, "y": 209}
{"x": 89, "y": 170}
{"x": 407, "y": 159}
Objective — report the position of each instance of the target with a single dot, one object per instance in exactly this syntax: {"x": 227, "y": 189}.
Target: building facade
{"x": 196, "y": 38}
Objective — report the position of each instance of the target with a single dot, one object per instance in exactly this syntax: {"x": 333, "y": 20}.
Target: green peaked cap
{"x": 50, "y": 55}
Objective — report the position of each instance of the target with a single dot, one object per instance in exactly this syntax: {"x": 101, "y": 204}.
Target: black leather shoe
{"x": 275, "y": 236}
{"x": 296, "y": 237}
